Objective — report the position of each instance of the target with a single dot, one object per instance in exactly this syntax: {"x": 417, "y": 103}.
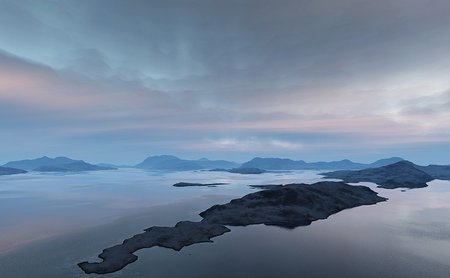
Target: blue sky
{"x": 116, "y": 81}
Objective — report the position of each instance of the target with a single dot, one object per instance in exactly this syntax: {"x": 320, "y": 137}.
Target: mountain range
{"x": 58, "y": 164}
{"x": 289, "y": 164}
{"x": 173, "y": 163}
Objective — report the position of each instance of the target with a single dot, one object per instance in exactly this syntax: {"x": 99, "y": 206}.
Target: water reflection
{"x": 407, "y": 236}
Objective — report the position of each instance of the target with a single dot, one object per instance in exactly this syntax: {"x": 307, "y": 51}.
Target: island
{"x": 243, "y": 171}
{"x": 403, "y": 174}
{"x": 173, "y": 163}
{"x": 188, "y": 184}
{"x": 11, "y": 171}
{"x": 289, "y": 164}
{"x": 58, "y": 164}
{"x": 286, "y": 206}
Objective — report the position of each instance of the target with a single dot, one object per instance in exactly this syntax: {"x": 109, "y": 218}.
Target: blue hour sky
{"x": 116, "y": 81}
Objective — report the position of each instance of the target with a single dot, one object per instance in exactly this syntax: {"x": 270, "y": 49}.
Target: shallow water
{"x": 408, "y": 236}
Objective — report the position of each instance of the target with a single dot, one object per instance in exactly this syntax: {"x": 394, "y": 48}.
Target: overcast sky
{"x": 116, "y": 81}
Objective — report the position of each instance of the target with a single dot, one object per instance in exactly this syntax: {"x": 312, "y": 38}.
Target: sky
{"x": 117, "y": 81}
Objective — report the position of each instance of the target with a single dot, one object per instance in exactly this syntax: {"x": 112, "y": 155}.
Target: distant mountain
{"x": 289, "y": 164}
{"x": 274, "y": 164}
{"x": 10, "y": 171}
{"x": 439, "y": 172}
{"x": 403, "y": 174}
{"x": 211, "y": 164}
{"x": 109, "y": 165}
{"x": 168, "y": 163}
{"x": 173, "y": 163}
{"x": 58, "y": 164}
{"x": 384, "y": 162}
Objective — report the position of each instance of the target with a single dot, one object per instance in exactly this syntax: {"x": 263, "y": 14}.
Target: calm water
{"x": 51, "y": 222}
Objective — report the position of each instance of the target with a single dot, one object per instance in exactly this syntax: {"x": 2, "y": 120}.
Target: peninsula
{"x": 287, "y": 206}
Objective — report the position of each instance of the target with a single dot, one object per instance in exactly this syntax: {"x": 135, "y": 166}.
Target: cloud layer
{"x": 304, "y": 79}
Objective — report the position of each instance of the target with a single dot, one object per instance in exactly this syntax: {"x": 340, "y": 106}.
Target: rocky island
{"x": 188, "y": 184}
{"x": 287, "y": 206}
{"x": 403, "y": 174}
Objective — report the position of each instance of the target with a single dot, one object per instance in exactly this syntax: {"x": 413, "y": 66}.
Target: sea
{"x": 49, "y": 222}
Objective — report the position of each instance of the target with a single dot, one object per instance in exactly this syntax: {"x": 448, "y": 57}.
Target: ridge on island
{"x": 287, "y": 206}
{"x": 403, "y": 174}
